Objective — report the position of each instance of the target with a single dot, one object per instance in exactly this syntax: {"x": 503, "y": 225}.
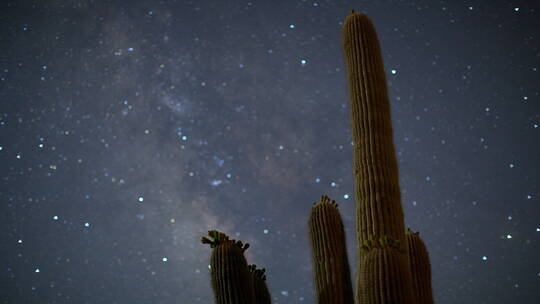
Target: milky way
{"x": 130, "y": 128}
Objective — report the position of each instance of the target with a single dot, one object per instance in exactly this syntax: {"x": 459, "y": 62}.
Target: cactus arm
{"x": 420, "y": 268}
{"x": 262, "y": 295}
{"x": 329, "y": 251}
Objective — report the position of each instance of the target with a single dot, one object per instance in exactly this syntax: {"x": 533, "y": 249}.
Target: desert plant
{"x": 393, "y": 265}
{"x": 329, "y": 251}
{"x": 420, "y": 268}
{"x": 231, "y": 279}
{"x": 378, "y": 200}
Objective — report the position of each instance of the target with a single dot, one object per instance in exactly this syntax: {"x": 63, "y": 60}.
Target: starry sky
{"x": 130, "y": 128}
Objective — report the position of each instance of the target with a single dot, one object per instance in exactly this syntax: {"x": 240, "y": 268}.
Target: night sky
{"x": 130, "y": 128}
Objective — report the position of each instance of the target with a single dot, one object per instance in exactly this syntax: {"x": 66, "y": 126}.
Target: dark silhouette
{"x": 393, "y": 263}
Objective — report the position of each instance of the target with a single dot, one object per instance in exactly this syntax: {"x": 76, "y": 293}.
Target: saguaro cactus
{"x": 231, "y": 279}
{"x": 330, "y": 262}
{"x": 378, "y": 201}
{"x": 393, "y": 265}
{"x": 382, "y": 278}
{"x": 420, "y": 268}
{"x": 258, "y": 278}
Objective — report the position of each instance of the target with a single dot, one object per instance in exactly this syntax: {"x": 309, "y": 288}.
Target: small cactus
{"x": 420, "y": 268}
{"x": 231, "y": 279}
{"x": 330, "y": 261}
{"x": 258, "y": 278}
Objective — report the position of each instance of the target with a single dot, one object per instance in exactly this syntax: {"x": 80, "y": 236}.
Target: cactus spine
{"x": 420, "y": 268}
{"x": 328, "y": 247}
{"x": 378, "y": 202}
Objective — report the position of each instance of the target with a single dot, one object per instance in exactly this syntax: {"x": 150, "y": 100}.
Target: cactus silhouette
{"x": 231, "y": 279}
{"x": 330, "y": 262}
{"x": 262, "y": 295}
{"x": 378, "y": 201}
{"x": 393, "y": 265}
{"x": 420, "y": 268}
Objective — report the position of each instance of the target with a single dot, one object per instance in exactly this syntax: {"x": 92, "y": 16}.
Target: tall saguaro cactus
{"x": 393, "y": 264}
{"x": 378, "y": 201}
